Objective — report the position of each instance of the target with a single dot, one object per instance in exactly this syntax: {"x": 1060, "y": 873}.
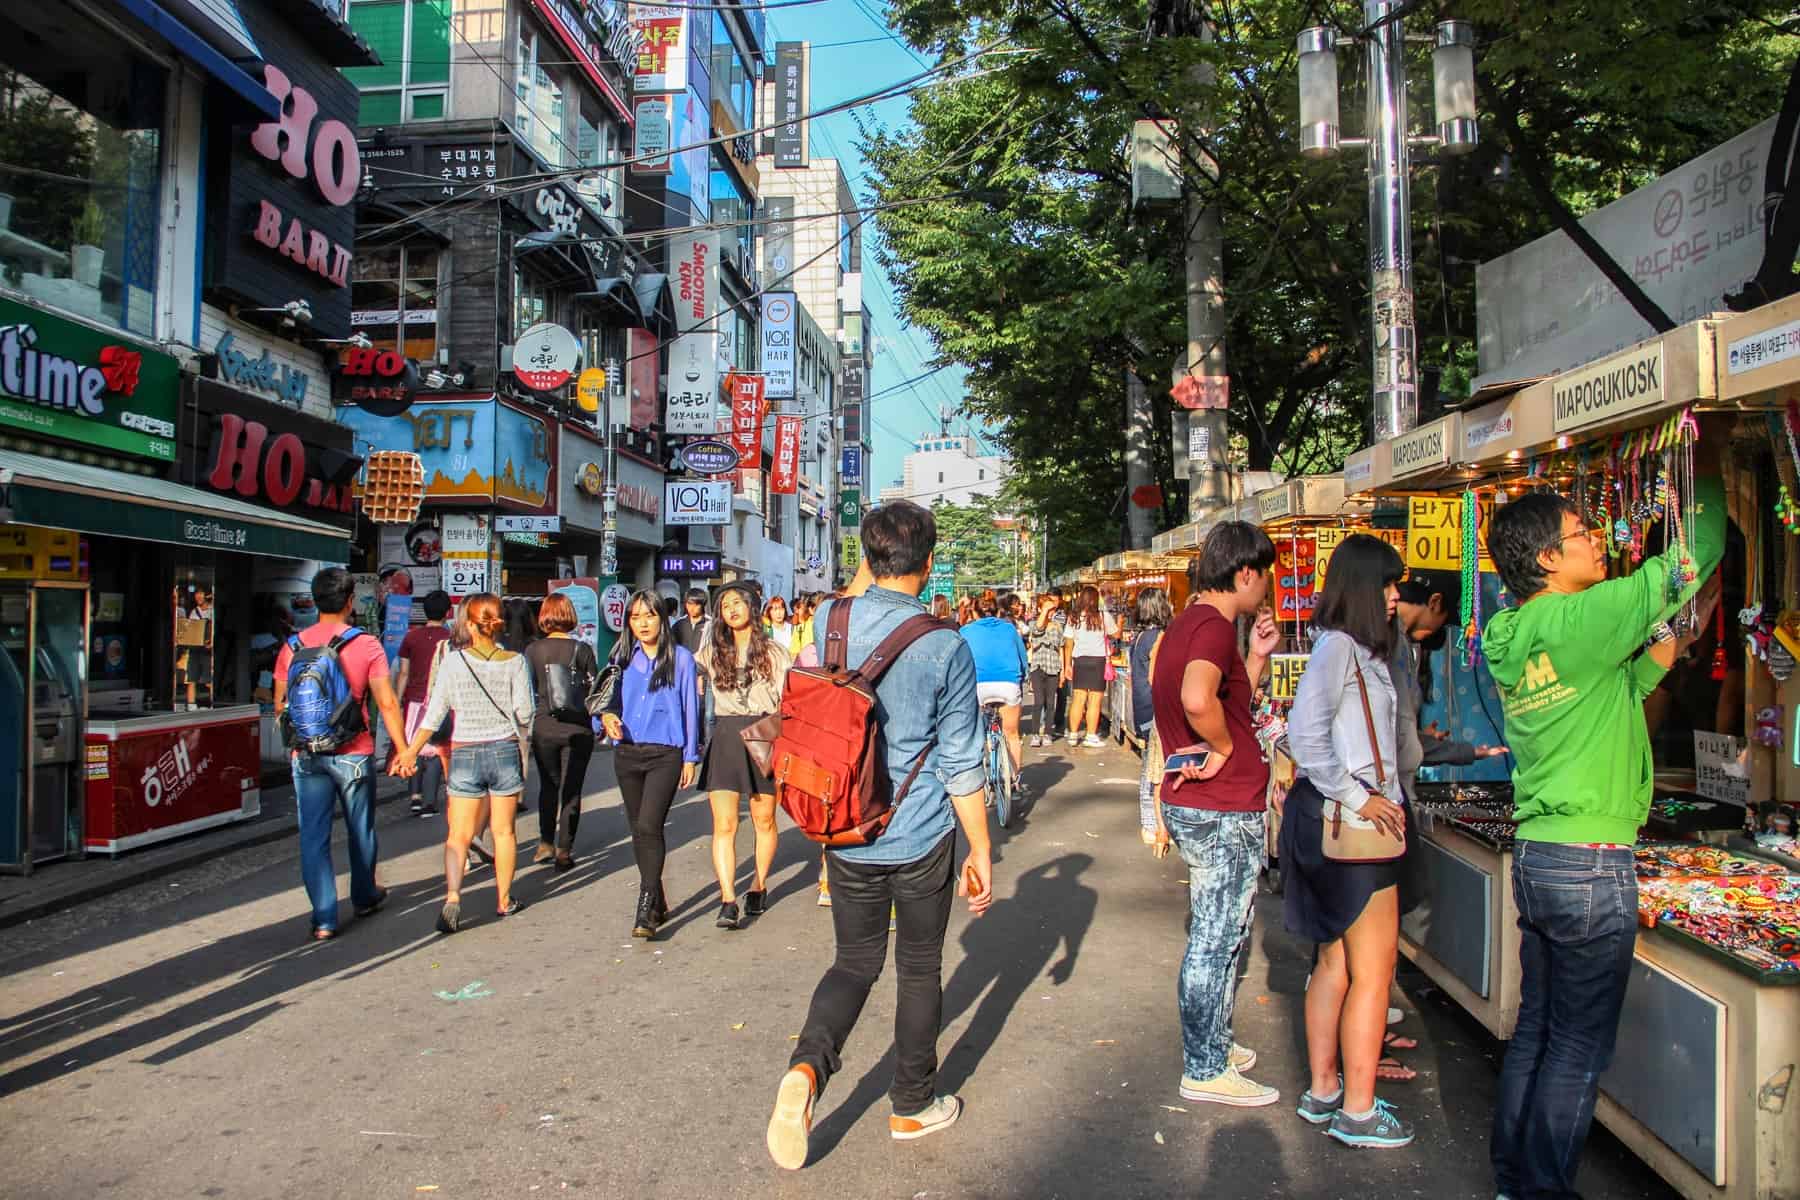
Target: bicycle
{"x": 1002, "y": 778}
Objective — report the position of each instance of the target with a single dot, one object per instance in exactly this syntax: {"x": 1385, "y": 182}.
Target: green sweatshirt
{"x": 1572, "y": 684}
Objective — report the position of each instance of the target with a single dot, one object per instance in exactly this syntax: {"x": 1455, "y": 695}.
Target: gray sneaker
{"x": 1382, "y": 1129}
{"x": 1319, "y": 1111}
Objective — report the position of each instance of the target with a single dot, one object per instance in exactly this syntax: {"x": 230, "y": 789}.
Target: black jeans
{"x": 1044, "y": 688}
{"x": 427, "y": 783}
{"x": 919, "y": 893}
{"x": 1577, "y": 927}
{"x": 648, "y": 776}
{"x": 562, "y": 753}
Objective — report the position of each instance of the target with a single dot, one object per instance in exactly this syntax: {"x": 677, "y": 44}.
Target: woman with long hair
{"x": 1000, "y": 669}
{"x": 488, "y": 690}
{"x": 1341, "y": 733}
{"x": 657, "y": 730}
{"x": 965, "y": 610}
{"x": 521, "y": 624}
{"x": 775, "y": 621}
{"x": 564, "y": 672}
{"x": 940, "y": 608}
{"x": 805, "y": 605}
{"x": 1044, "y": 646}
{"x": 1085, "y": 648}
{"x": 746, "y": 668}
{"x": 1152, "y": 617}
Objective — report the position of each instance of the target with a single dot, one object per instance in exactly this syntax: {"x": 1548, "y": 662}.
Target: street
{"x": 181, "y": 1039}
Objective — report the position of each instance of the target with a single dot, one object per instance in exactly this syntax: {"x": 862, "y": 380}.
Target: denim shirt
{"x": 928, "y": 692}
{"x": 662, "y": 716}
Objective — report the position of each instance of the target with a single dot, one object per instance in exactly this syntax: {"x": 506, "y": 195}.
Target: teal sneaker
{"x": 1382, "y": 1129}
{"x": 1317, "y": 1111}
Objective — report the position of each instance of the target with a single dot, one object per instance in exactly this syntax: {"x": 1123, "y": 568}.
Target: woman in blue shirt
{"x": 1000, "y": 667}
{"x": 657, "y": 732}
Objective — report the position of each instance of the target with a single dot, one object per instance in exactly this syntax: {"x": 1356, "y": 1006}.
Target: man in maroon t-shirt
{"x": 1201, "y": 691}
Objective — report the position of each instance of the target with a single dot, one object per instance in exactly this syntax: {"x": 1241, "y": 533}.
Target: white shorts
{"x": 1009, "y": 695}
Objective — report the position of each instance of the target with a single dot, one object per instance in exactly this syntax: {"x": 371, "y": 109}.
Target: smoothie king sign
{"x": 693, "y": 362}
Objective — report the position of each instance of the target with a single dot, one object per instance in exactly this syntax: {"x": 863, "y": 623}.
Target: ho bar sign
{"x": 686, "y": 502}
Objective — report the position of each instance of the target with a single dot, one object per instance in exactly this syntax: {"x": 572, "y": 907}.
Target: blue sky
{"x": 875, "y": 57}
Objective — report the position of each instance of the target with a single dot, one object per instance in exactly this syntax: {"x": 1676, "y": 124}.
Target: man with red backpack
{"x": 927, "y": 724}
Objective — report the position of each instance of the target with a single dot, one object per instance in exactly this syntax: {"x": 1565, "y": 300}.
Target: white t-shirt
{"x": 1089, "y": 643}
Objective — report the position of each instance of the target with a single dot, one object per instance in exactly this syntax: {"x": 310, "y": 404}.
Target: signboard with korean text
{"x": 62, "y": 380}
{"x": 851, "y": 469}
{"x": 784, "y": 479}
{"x": 613, "y": 603}
{"x": 1202, "y": 391}
{"x": 662, "y": 64}
{"x": 747, "y": 405}
{"x": 1434, "y": 534}
{"x": 552, "y": 524}
{"x": 1294, "y": 586}
{"x": 1326, "y": 540}
{"x": 778, "y": 325}
{"x": 1284, "y": 674}
{"x": 693, "y": 405}
{"x": 791, "y": 86}
{"x": 849, "y": 508}
{"x": 849, "y": 552}
{"x": 436, "y": 164}
{"x": 654, "y": 131}
{"x": 691, "y": 502}
{"x": 1719, "y": 772}
{"x": 154, "y": 779}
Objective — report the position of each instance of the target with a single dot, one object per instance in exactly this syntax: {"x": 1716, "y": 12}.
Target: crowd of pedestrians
{"x": 686, "y": 704}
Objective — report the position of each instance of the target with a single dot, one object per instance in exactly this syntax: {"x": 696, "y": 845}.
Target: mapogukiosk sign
{"x": 60, "y": 379}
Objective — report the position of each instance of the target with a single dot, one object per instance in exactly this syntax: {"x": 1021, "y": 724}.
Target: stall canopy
{"x": 63, "y": 495}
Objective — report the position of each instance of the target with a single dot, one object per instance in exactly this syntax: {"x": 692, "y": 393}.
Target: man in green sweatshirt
{"x": 1572, "y": 669}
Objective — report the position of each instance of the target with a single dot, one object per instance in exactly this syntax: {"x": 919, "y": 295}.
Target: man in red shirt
{"x": 322, "y": 781}
{"x": 1201, "y": 691}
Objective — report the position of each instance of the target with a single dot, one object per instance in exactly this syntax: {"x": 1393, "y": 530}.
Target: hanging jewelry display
{"x": 1471, "y": 579}
{"x": 1786, "y": 510}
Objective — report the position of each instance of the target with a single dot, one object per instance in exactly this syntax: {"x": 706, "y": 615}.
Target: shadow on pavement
{"x": 1004, "y": 954}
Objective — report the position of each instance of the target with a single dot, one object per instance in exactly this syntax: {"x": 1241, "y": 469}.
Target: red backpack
{"x": 829, "y": 767}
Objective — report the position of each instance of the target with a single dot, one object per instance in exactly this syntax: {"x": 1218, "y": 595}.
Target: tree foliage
{"x": 1039, "y": 279}
{"x": 985, "y": 554}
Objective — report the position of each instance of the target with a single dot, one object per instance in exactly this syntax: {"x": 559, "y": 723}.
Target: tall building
{"x": 950, "y": 468}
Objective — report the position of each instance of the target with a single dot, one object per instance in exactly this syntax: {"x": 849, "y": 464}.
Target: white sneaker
{"x": 1228, "y": 1087}
{"x": 1242, "y": 1058}
{"x": 790, "y": 1126}
{"x": 1074, "y": 740}
{"x": 941, "y": 1113}
{"x": 1095, "y": 742}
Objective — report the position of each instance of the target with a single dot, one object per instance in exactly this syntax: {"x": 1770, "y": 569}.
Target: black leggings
{"x": 648, "y": 776}
{"x": 562, "y": 753}
{"x": 427, "y": 783}
{"x": 1044, "y": 687}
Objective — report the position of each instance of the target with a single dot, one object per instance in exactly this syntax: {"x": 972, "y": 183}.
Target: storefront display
{"x": 156, "y": 777}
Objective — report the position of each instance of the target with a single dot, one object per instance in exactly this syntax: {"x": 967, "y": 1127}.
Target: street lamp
{"x": 1394, "y": 385}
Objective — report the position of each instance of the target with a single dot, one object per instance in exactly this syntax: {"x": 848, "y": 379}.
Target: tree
{"x": 968, "y": 537}
{"x": 1038, "y": 279}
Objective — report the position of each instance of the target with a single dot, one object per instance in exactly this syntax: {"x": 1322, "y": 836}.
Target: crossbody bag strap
{"x": 470, "y": 667}
{"x": 1369, "y": 721}
{"x": 895, "y": 643}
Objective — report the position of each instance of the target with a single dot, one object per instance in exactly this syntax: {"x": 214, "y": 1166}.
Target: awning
{"x": 615, "y": 296}
{"x": 62, "y": 495}
{"x": 190, "y": 46}
{"x": 656, "y": 304}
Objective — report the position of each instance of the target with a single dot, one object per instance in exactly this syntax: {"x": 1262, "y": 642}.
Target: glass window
{"x": 413, "y": 39}
{"x": 599, "y": 139}
{"x": 731, "y": 204}
{"x": 540, "y": 91}
{"x": 80, "y": 158}
{"x": 531, "y": 301}
{"x": 733, "y": 84}
{"x": 393, "y": 300}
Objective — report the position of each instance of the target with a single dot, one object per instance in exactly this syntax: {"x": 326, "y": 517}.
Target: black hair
{"x": 1420, "y": 586}
{"x": 1355, "y": 600}
{"x": 1521, "y": 531}
{"x": 332, "y": 590}
{"x": 760, "y": 661}
{"x": 1229, "y": 548}
{"x": 436, "y": 605}
{"x": 662, "y": 671}
{"x": 898, "y": 538}
{"x": 695, "y": 595}
{"x": 1153, "y": 609}
{"x": 987, "y": 605}
{"x": 521, "y": 624}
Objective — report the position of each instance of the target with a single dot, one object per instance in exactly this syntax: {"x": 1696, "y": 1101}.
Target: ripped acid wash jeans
{"x": 1225, "y": 852}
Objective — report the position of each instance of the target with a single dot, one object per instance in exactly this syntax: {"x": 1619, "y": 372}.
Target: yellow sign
{"x": 27, "y": 552}
{"x": 1327, "y": 539}
{"x": 1284, "y": 674}
{"x": 588, "y": 387}
{"x": 851, "y": 550}
{"x": 1434, "y": 534}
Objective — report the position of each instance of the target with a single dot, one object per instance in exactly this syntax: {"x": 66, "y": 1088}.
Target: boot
{"x": 644, "y": 926}
{"x": 662, "y": 905}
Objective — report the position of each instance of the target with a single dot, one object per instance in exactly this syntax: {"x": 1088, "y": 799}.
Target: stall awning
{"x": 62, "y": 495}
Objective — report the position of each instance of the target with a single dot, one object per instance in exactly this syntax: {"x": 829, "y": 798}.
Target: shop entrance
{"x": 43, "y": 697}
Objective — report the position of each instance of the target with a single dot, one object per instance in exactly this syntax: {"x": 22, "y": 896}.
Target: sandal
{"x": 1398, "y": 1041}
{"x": 1392, "y": 1070}
{"x": 322, "y": 935}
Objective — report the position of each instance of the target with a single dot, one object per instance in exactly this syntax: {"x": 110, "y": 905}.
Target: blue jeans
{"x": 1224, "y": 852}
{"x": 321, "y": 783}
{"x": 1578, "y": 927}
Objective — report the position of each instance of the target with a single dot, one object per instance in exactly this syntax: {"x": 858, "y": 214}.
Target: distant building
{"x": 950, "y": 467}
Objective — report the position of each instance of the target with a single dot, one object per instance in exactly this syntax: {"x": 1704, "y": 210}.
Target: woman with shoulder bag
{"x": 655, "y": 721}
{"x": 565, "y": 673}
{"x": 1343, "y": 831}
{"x": 747, "y": 669}
{"x": 488, "y": 689}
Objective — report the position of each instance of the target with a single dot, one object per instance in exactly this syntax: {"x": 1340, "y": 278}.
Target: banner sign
{"x": 849, "y": 507}
{"x": 789, "y": 141}
{"x": 662, "y": 61}
{"x": 851, "y": 470}
{"x": 1294, "y": 585}
{"x": 654, "y": 130}
{"x": 1434, "y": 537}
{"x": 778, "y": 237}
{"x": 746, "y": 417}
{"x": 687, "y": 502}
{"x": 693, "y": 407}
{"x": 778, "y": 321}
{"x": 784, "y": 480}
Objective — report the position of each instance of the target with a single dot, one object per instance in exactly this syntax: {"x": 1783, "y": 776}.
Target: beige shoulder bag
{"x": 1360, "y": 841}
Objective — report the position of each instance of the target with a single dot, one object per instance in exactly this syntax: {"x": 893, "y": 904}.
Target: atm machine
{"x": 43, "y": 715}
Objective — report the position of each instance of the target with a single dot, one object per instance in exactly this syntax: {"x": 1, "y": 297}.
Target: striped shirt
{"x": 493, "y": 715}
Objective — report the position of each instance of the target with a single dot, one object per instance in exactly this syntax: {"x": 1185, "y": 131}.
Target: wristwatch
{"x": 1660, "y": 633}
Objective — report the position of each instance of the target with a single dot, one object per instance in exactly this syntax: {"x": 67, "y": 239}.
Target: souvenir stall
{"x": 1121, "y": 577}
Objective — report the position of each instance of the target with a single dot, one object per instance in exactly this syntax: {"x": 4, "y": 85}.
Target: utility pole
{"x": 1139, "y": 464}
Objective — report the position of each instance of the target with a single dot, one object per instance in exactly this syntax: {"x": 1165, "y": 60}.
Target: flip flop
{"x": 1392, "y": 1070}
{"x": 1398, "y": 1041}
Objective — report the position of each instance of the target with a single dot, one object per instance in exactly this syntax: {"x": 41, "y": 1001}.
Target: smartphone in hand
{"x": 1196, "y": 759}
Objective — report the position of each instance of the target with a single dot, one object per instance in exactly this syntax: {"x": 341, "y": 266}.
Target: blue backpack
{"x": 321, "y": 714}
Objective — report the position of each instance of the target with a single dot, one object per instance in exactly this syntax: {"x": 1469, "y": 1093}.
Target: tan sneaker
{"x": 1228, "y": 1087}
{"x": 941, "y": 1113}
{"x": 1242, "y": 1058}
{"x": 790, "y": 1126}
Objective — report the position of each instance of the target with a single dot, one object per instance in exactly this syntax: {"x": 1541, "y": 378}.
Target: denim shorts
{"x": 483, "y": 767}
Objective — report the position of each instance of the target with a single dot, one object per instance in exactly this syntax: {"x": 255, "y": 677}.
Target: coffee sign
{"x": 708, "y": 457}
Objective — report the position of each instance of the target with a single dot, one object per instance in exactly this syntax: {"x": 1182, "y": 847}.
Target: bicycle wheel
{"x": 1000, "y": 779}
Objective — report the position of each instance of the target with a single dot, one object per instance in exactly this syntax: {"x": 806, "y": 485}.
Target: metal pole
{"x": 1394, "y": 391}
{"x": 1209, "y": 486}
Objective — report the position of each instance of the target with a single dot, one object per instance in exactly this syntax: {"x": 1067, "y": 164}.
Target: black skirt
{"x": 1322, "y": 898}
{"x": 1089, "y": 673}
{"x": 727, "y": 766}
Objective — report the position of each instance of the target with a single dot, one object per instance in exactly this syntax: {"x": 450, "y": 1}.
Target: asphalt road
{"x": 181, "y": 1038}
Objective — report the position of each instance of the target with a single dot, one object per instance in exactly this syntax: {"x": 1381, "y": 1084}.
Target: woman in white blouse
{"x": 488, "y": 690}
{"x": 1345, "y": 757}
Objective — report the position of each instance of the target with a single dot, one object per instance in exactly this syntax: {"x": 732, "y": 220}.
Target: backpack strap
{"x": 894, "y": 644}
{"x": 294, "y": 643}
{"x": 837, "y": 635}
{"x": 337, "y": 643}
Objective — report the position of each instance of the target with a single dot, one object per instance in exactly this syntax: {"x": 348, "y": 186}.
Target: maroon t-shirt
{"x": 416, "y": 648}
{"x": 1202, "y": 632}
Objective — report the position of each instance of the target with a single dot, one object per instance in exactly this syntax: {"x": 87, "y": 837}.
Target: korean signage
{"x": 693, "y": 406}
{"x": 778, "y": 237}
{"x": 850, "y": 551}
{"x": 63, "y": 380}
{"x": 784, "y": 479}
{"x": 546, "y": 357}
{"x": 654, "y": 130}
{"x": 1202, "y": 391}
{"x": 778, "y": 324}
{"x": 1613, "y": 387}
{"x": 852, "y": 468}
{"x": 269, "y": 454}
{"x": 1426, "y": 447}
{"x": 662, "y": 62}
{"x": 789, "y": 140}
{"x": 695, "y": 503}
{"x": 1482, "y": 433}
{"x": 458, "y": 167}
{"x": 605, "y": 44}
{"x": 702, "y": 566}
{"x": 1434, "y": 534}
{"x": 1199, "y": 443}
{"x": 1763, "y": 349}
{"x": 1284, "y": 674}
{"x": 1294, "y": 584}
{"x": 708, "y": 457}
{"x": 849, "y": 508}
{"x": 747, "y": 405}
{"x": 464, "y": 555}
{"x": 147, "y": 785}
{"x": 551, "y": 524}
